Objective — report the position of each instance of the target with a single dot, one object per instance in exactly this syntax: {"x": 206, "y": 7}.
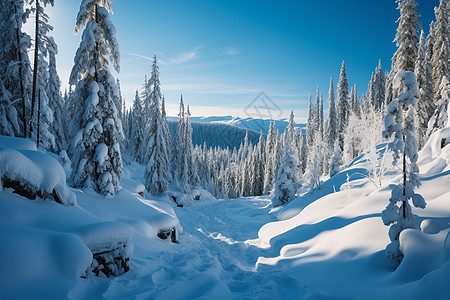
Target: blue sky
{"x": 221, "y": 54}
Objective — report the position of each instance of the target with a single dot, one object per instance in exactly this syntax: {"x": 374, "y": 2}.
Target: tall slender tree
{"x": 155, "y": 157}
{"x": 399, "y": 122}
{"x": 342, "y": 103}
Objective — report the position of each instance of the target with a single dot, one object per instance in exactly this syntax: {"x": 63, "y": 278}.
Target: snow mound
{"x": 31, "y": 173}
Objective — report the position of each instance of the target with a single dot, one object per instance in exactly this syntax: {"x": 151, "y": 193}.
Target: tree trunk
{"x": 36, "y": 52}
{"x": 22, "y": 91}
{"x": 404, "y": 178}
{"x": 38, "y": 119}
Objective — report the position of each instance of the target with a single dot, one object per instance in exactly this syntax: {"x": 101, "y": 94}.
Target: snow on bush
{"x": 32, "y": 173}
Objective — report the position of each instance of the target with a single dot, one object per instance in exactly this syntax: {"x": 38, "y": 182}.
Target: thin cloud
{"x": 229, "y": 51}
{"x": 187, "y": 56}
{"x": 146, "y": 57}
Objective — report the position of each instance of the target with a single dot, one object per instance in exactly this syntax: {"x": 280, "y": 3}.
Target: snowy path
{"x": 212, "y": 259}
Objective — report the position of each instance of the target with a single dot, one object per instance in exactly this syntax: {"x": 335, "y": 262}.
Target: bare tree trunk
{"x": 36, "y": 53}
{"x": 38, "y": 119}
{"x": 404, "y": 179}
{"x": 22, "y": 90}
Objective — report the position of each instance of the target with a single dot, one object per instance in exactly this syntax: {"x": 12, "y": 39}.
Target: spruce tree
{"x": 331, "y": 120}
{"x": 155, "y": 152}
{"x": 342, "y": 103}
{"x": 440, "y": 50}
{"x": 425, "y": 105}
{"x": 97, "y": 161}
{"x": 286, "y": 180}
{"x": 270, "y": 158}
{"x": 55, "y": 100}
{"x": 137, "y": 130}
{"x": 310, "y": 126}
{"x": 399, "y": 123}
{"x": 15, "y": 71}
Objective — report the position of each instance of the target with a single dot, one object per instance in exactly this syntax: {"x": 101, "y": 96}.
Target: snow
{"x": 327, "y": 243}
{"x": 42, "y": 173}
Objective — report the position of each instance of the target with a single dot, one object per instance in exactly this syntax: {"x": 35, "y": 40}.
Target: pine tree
{"x": 440, "y": 50}
{"x": 331, "y": 120}
{"x": 336, "y": 161}
{"x": 41, "y": 114}
{"x": 155, "y": 152}
{"x": 55, "y": 100}
{"x": 399, "y": 123}
{"x": 342, "y": 103}
{"x": 286, "y": 181}
{"x": 425, "y": 104}
{"x": 97, "y": 161}
{"x": 178, "y": 144}
{"x": 379, "y": 88}
{"x": 406, "y": 40}
{"x": 15, "y": 72}
{"x": 270, "y": 158}
{"x": 310, "y": 126}
{"x": 406, "y": 37}
{"x": 166, "y": 133}
{"x": 259, "y": 163}
{"x": 136, "y": 139}
{"x": 354, "y": 101}
{"x": 440, "y": 117}
{"x": 321, "y": 121}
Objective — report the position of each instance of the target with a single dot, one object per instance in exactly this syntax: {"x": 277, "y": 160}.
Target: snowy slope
{"x": 326, "y": 244}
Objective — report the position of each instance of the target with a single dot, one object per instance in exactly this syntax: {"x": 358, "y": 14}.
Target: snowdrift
{"x": 55, "y": 250}
{"x": 31, "y": 173}
{"x": 332, "y": 240}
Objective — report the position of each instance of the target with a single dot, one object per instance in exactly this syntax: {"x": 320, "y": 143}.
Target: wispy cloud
{"x": 186, "y": 56}
{"x": 229, "y": 51}
{"x": 162, "y": 62}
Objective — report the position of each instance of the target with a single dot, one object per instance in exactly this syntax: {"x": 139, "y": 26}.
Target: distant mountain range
{"x": 257, "y": 125}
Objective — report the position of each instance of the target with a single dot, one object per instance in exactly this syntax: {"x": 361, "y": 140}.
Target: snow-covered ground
{"x": 329, "y": 243}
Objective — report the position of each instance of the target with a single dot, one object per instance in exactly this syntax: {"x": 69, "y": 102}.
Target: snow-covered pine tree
{"x": 354, "y": 101}
{"x": 97, "y": 161}
{"x": 41, "y": 113}
{"x": 259, "y": 163}
{"x": 379, "y": 88}
{"x": 399, "y": 123}
{"x": 166, "y": 133}
{"x": 286, "y": 183}
{"x": 55, "y": 100}
{"x": 440, "y": 50}
{"x": 440, "y": 117}
{"x": 331, "y": 130}
{"x": 8, "y": 115}
{"x": 321, "y": 122}
{"x": 178, "y": 144}
{"x": 190, "y": 175}
{"x": 155, "y": 152}
{"x": 406, "y": 39}
{"x": 310, "y": 126}
{"x": 342, "y": 105}
{"x": 137, "y": 130}
{"x": 119, "y": 101}
{"x": 270, "y": 158}
{"x": 15, "y": 71}
{"x": 336, "y": 161}
{"x": 314, "y": 168}
{"x": 425, "y": 105}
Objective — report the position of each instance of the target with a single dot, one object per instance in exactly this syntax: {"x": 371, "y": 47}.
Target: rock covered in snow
{"x": 31, "y": 173}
